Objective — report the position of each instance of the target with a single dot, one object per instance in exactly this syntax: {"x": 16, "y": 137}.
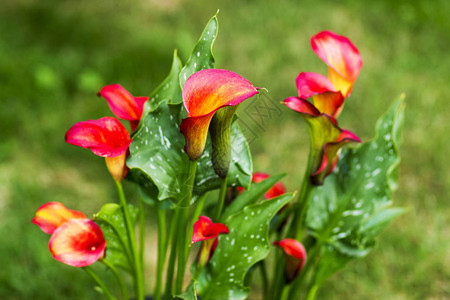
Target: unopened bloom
{"x": 206, "y": 231}
{"x": 106, "y": 137}
{"x": 295, "y": 255}
{"x": 124, "y": 105}
{"x": 208, "y": 94}
{"x": 327, "y": 138}
{"x": 75, "y": 240}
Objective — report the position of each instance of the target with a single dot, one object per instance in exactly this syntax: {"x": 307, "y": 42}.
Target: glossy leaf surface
{"x": 246, "y": 244}
{"x": 353, "y": 205}
{"x": 110, "y": 219}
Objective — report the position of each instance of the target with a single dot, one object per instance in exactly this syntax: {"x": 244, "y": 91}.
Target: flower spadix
{"x": 75, "y": 240}
{"x": 211, "y": 97}
{"x": 295, "y": 255}
{"x": 124, "y": 105}
{"x": 106, "y": 137}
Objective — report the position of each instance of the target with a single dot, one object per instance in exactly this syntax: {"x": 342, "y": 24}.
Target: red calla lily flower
{"x": 207, "y": 232}
{"x": 344, "y": 63}
{"x": 53, "y": 214}
{"x": 295, "y": 257}
{"x": 327, "y": 138}
{"x": 123, "y": 104}
{"x": 75, "y": 240}
{"x": 106, "y": 137}
{"x": 277, "y": 190}
{"x": 77, "y": 243}
{"x": 205, "y": 229}
{"x": 204, "y": 93}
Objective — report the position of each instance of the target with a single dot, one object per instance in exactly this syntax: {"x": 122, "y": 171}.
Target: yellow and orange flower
{"x": 204, "y": 93}
{"x": 75, "y": 240}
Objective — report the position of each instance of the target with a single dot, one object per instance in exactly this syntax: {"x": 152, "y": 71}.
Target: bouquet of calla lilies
{"x": 187, "y": 156}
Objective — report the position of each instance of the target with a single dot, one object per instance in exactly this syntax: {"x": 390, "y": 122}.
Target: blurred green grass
{"x": 56, "y": 55}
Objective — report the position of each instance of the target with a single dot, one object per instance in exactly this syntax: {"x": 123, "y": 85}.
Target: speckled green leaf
{"x": 246, "y": 244}
{"x": 353, "y": 205}
{"x": 168, "y": 91}
{"x": 110, "y": 220}
{"x": 202, "y": 56}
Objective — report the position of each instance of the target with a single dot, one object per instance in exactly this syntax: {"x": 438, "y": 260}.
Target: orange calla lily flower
{"x": 204, "y": 93}
{"x": 344, "y": 64}
{"x": 75, "y": 240}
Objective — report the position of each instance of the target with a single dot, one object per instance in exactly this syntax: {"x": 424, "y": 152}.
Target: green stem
{"x": 197, "y": 210}
{"x": 122, "y": 285}
{"x": 141, "y": 233}
{"x": 313, "y": 292}
{"x": 196, "y": 213}
{"x": 100, "y": 283}
{"x": 264, "y": 278}
{"x": 173, "y": 254}
{"x": 285, "y": 293}
{"x": 222, "y": 194}
{"x": 278, "y": 279}
{"x": 182, "y": 227}
{"x": 161, "y": 217}
{"x": 138, "y": 276}
{"x": 298, "y": 282}
{"x": 297, "y": 225}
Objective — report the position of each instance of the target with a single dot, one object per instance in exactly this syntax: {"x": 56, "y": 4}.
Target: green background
{"x": 56, "y": 55}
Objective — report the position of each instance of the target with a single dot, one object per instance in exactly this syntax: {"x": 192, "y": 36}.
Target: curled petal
{"x": 205, "y": 229}
{"x": 122, "y": 103}
{"x": 331, "y": 155}
{"x": 203, "y": 94}
{"x": 342, "y": 57}
{"x": 78, "y": 243}
{"x": 295, "y": 257}
{"x": 302, "y": 106}
{"x": 327, "y": 99}
{"x": 210, "y": 89}
{"x": 309, "y": 84}
{"x": 53, "y": 214}
{"x": 106, "y": 137}
{"x": 277, "y": 190}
